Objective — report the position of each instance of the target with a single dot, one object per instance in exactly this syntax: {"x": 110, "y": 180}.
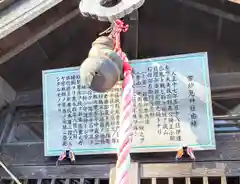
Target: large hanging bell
{"x": 108, "y": 10}
{"x": 103, "y": 67}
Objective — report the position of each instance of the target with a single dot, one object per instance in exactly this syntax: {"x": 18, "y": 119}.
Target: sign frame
{"x": 140, "y": 149}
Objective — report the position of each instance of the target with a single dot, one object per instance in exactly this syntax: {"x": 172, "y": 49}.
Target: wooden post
{"x": 134, "y": 174}
{"x": 205, "y": 180}
{"x": 223, "y": 180}
{"x": 170, "y": 180}
{"x": 112, "y": 175}
{"x": 154, "y": 181}
{"x": 130, "y": 38}
{"x": 188, "y": 180}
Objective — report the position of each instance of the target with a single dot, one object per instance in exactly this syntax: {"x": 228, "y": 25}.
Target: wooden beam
{"x": 204, "y": 169}
{"x": 27, "y": 98}
{"x": 63, "y": 171}
{"x": 6, "y": 123}
{"x": 21, "y": 13}
{"x": 130, "y": 38}
{"x": 33, "y": 152}
{"x": 225, "y": 81}
{"x": 226, "y": 95}
{"x": 220, "y": 24}
{"x": 220, "y": 106}
{"x": 210, "y": 10}
{"x": 225, "y": 143}
{"x": 228, "y": 117}
{"x": 219, "y": 28}
{"x": 37, "y": 36}
{"x": 34, "y": 132}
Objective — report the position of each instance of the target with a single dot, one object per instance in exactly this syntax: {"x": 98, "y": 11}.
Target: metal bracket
{"x": 186, "y": 152}
{"x": 66, "y": 155}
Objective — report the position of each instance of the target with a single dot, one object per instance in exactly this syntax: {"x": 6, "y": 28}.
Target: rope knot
{"x": 118, "y": 27}
{"x": 121, "y": 26}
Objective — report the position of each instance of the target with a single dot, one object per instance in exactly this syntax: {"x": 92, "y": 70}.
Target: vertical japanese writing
{"x": 176, "y": 108}
{"x": 170, "y": 104}
{"x": 192, "y": 101}
{"x": 88, "y": 118}
{"x": 159, "y": 101}
{"x": 64, "y": 107}
{"x": 141, "y": 107}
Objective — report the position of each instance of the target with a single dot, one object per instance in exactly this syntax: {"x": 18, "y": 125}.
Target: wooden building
{"x": 53, "y": 34}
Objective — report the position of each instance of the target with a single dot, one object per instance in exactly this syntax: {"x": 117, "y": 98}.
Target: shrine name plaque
{"x": 172, "y": 107}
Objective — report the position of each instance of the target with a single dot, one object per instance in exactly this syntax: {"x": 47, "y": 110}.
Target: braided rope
{"x": 125, "y": 133}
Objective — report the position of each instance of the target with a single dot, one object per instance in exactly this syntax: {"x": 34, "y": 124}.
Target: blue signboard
{"x": 172, "y": 107}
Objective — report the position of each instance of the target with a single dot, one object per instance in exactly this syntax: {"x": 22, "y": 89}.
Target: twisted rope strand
{"x": 125, "y": 133}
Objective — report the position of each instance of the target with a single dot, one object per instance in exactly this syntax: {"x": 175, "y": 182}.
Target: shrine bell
{"x": 103, "y": 67}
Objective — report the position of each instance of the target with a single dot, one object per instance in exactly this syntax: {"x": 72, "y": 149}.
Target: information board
{"x": 172, "y": 107}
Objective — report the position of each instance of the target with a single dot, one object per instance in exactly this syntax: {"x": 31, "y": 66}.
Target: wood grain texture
{"x": 154, "y": 181}
{"x": 67, "y": 171}
{"x": 211, "y": 10}
{"x": 37, "y": 36}
{"x": 112, "y": 175}
{"x": 81, "y": 180}
{"x": 21, "y": 13}
{"x": 223, "y": 180}
{"x": 30, "y": 33}
{"x": 205, "y": 180}
{"x": 6, "y": 3}
{"x": 227, "y": 149}
{"x": 53, "y": 181}
{"x": 39, "y": 181}
{"x": 130, "y": 38}
{"x": 225, "y": 81}
{"x": 187, "y": 180}
{"x": 170, "y": 170}
{"x": 134, "y": 173}
{"x": 96, "y": 181}
{"x": 6, "y": 119}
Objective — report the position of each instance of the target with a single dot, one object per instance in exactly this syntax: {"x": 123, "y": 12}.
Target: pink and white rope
{"x": 126, "y": 130}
